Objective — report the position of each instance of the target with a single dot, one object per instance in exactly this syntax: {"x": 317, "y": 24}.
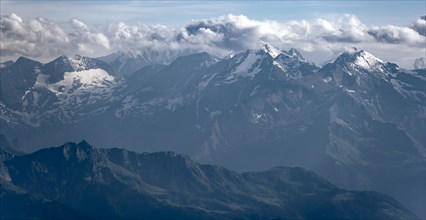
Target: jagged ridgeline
{"x": 358, "y": 121}
{"x": 77, "y": 181}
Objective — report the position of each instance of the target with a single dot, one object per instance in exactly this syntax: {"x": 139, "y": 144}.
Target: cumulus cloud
{"x": 420, "y": 25}
{"x": 397, "y": 35}
{"x": 347, "y": 29}
{"x": 239, "y": 32}
{"x": 87, "y": 41}
{"x": 36, "y": 37}
{"x": 42, "y": 38}
{"x": 219, "y": 36}
{"x": 228, "y": 32}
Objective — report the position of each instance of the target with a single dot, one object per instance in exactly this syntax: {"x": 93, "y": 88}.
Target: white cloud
{"x": 35, "y": 38}
{"x": 420, "y": 25}
{"x": 397, "y": 35}
{"x": 40, "y": 38}
{"x": 87, "y": 40}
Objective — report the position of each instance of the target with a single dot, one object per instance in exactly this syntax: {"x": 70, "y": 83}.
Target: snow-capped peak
{"x": 77, "y": 62}
{"x": 366, "y": 60}
{"x": 273, "y": 52}
{"x": 361, "y": 59}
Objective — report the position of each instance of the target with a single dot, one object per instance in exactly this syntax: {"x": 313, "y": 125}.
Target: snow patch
{"x": 214, "y": 114}
{"x": 399, "y": 87}
{"x": 254, "y": 92}
{"x": 271, "y": 50}
{"x": 248, "y": 68}
{"x": 205, "y": 83}
{"x": 277, "y": 64}
{"x": 369, "y": 62}
{"x": 93, "y": 78}
{"x": 172, "y": 104}
{"x": 41, "y": 81}
{"x": 66, "y": 152}
{"x": 230, "y": 56}
{"x": 25, "y": 94}
{"x": 327, "y": 79}
{"x": 77, "y": 63}
{"x": 81, "y": 154}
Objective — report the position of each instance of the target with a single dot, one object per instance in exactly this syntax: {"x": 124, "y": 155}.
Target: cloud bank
{"x": 44, "y": 39}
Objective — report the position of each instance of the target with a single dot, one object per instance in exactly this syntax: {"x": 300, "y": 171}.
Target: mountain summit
{"x": 362, "y": 60}
{"x": 273, "y": 52}
{"x": 358, "y": 121}
{"x": 115, "y": 183}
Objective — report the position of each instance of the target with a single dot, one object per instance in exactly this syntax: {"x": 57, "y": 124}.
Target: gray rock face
{"x": 125, "y": 64}
{"x": 358, "y": 121}
{"x": 419, "y": 63}
{"x": 78, "y": 181}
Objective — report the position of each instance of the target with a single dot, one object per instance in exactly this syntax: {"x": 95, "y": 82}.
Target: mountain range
{"x": 358, "y": 121}
{"x": 77, "y": 181}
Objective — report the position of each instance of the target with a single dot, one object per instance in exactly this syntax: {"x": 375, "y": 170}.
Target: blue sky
{"x": 175, "y": 13}
{"x": 321, "y": 30}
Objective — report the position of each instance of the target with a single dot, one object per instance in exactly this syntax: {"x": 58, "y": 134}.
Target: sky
{"x": 320, "y": 30}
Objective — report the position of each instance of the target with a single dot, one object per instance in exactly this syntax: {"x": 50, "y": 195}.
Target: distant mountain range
{"x": 419, "y": 63}
{"x": 126, "y": 63}
{"x": 77, "y": 181}
{"x": 358, "y": 121}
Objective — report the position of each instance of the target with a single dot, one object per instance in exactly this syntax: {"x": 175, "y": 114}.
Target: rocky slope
{"x": 358, "y": 121}
{"x": 78, "y": 181}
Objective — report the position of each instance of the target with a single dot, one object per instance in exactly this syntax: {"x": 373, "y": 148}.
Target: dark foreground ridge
{"x": 77, "y": 181}
{"x": 357, "y": 121}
